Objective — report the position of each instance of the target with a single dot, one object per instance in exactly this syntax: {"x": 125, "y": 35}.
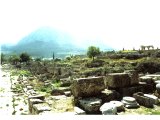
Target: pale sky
{"x": 117, "y": 23}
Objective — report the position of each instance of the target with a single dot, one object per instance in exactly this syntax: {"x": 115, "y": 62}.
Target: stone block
{"x": 143, "y": 100}
{"x": 148, "y": 80}
{"x": 79, "y": 111}
{"x": 119, "y": 105}
{"x": 62, "y": 103}
{"x": 40, "y": 108}
{"x": 108, "y": 95}
{"x": 158, "y": 88}
{"x": 55, "y": 92}
{"x": 147, "y": 88}
{"x": 87, "y": 87}
{"x": 134, "y": 76}
{"x": 129, "y": 91}
{"x": 153, "y": 98}
{"x": 41, "y": 97}
{"x": 91, "y": 105}
{"x": 67, "y": 93}
{"x": 117, "y": 80}
{"x": 108, "y": 109}
{"x": 31, "y": 102}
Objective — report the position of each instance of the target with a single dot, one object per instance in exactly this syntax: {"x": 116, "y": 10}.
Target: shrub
{"x": 95, "y": 63}
{"x": 148, "y": 66}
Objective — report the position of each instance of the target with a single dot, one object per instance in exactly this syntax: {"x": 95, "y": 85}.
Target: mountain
{"x": 43, "y": 42}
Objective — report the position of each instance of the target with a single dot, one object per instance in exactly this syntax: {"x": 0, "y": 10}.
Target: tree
{"x": 3, "y": 58}
{"x": 25, "y": 57}
{"x": 14, "y": 59}
{"x": 93, "y": 51}
{"x": 53, "y": 56}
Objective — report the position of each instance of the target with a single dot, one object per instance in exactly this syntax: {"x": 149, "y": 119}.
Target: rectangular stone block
{"x": 87, "y": 87}
{"x": 134, "y": 76}
{"x": 147, "y": 88}
{"x": 41, "y": 97}
{"x": 108, "y": 95}
{"x": 129, "y": 91}
{"x": 40, "y": 108}
{"x": 91, "y": 105}
{"x": 143, "y": 100}
{"x": 31, "y": 102}
{"x": 117, "y": 80}
{"x": 79, "y": 111}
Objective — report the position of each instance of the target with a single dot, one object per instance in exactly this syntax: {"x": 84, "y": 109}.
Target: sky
{"x": 116, "y": 23}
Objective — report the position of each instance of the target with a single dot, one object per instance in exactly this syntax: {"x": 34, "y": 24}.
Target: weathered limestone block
{"x": 157, "y": 82}
{"x": 62, "y": 103}
{"x": 129, "y": 91}
{"x": 108, "y": 109}
{"x": 65, "y": 82}
{"x": 130, "y": 102}
{"x": 158, "y": 88}
{"x": 31, "y": 102}
{"x": 153, "y": 98}
{"x": 117, "y": 80}
{"x": 79, "y": 111}
{"x": 134, "y": 76}
{"x": 41, "y": 97}
{"x": 108, "y": 95}
{"x": 37, "y": 108}
{"x": 55, "y": 92}
{"x": 67, "y": 93}
{"x": 29, "y": 87}
{"x": 148, "y": 80}
{"x": 91, "y": 105}
{"x": 87, "y": 87}
{"x": 147, "y": 88}
{"x": 143, "y": 100}
{"x": 119, "y": 105}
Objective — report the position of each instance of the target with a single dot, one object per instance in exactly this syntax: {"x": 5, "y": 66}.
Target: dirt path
{"x": 11, "y": 103}
{"x": 6, "y": 107}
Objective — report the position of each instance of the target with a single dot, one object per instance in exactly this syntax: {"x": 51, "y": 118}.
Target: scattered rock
{"x": 67, "y": 93}
{"x": 147, "y": 88}
{"x": 91, "y": 105}
{"x": 79, "y": 111}
{"x": 119, "y": 105}
{"x": 157, "y": 82}
{"x": 108, "y": 95}
{"x": 153, "y": 98}
{"x": 143, "y": 100}
{"x": 158, "y": 88}
{"x": 108, "y": 109}
{"x": 148, "y": 80}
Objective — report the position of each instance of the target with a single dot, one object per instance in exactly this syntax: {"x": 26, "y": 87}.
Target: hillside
{"x": 43, "y": 42}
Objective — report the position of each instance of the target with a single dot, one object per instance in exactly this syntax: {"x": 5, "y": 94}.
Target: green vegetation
{"x": 93, "y": 51}
{"x": 24, "y": 57}
{"x": 3, "y": 59}
{"x": 14, "y": 59}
